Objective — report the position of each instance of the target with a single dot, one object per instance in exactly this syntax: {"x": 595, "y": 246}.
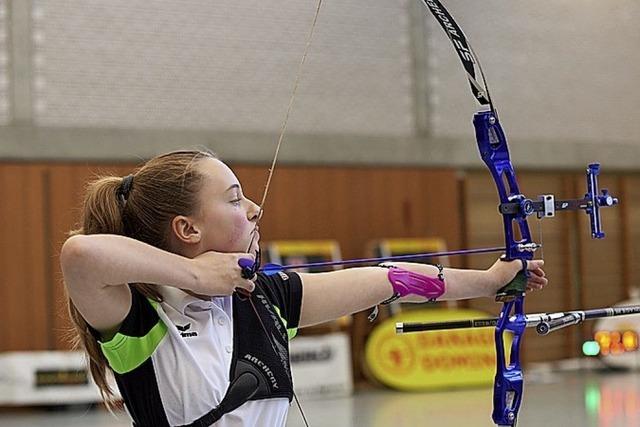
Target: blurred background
{"x": 380, "y": 153}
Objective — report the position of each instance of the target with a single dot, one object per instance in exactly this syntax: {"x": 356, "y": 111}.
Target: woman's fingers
{"x": 241, "y": 282}
{"x": 536, "y": 280}
{"x": 535, "y": 265}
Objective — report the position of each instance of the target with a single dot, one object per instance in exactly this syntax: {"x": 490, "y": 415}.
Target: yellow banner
{"x": 435, "y": 359}
{"x": 325, "y": 248}
{"x": 413, "y": 245}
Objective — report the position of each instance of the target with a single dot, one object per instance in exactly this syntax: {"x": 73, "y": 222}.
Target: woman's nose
{"x": 254, "y": 212}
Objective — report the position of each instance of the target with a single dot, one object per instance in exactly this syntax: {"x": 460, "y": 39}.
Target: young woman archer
{"x": 151, "y": 275}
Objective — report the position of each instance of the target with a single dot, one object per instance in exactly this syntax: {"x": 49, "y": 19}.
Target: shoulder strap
{"x": 240, "y": 391}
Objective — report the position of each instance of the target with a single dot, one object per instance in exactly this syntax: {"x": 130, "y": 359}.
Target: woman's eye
{"x": 236, "y": 201}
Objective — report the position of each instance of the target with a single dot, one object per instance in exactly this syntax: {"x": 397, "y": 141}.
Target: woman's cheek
{"x": 238, "y": 233}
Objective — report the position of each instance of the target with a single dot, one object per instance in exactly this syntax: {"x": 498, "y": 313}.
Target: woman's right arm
{"x": 98, "y": 267}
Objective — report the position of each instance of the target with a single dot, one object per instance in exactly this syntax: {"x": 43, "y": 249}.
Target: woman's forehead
{"x": 218, "y": 176}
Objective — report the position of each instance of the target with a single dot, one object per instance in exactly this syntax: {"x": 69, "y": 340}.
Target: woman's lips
{"x": 255, "y": 238}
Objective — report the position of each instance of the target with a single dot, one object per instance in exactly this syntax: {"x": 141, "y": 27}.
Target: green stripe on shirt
{"x": 125, "y": 353}
{"x": 290, "y": 332}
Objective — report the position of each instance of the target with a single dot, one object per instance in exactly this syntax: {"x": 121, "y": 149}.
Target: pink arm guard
{"x": 407, "y": 282}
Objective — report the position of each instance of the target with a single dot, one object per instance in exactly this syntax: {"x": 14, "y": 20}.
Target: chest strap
{"x": 243, "y": 387}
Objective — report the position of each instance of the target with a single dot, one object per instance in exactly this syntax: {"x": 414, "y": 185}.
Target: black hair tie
{"x": 124, "y": 189}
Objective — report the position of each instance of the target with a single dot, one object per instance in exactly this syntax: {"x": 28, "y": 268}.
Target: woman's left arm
{"x": 330, "y": 295}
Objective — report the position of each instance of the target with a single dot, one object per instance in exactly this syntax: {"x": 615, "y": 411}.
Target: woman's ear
{"x": 185, "y": 230}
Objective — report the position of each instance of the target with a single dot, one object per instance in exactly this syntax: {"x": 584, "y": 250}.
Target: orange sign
{"x": 435, "y": 359}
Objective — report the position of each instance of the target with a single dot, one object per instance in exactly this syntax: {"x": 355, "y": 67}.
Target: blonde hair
{"x": 165, "y": 186}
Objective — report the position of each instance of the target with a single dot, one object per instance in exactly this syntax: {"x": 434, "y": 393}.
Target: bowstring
{"x": 540, "y": 238}
{"x": 272, "y": 168}
{"x": 285, "y": 121}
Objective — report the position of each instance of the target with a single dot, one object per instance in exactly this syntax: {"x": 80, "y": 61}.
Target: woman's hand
{"x": 503, "y": 272}
{"x": 218, "y": 273}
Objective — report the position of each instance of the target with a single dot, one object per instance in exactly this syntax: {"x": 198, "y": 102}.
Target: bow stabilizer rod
{"x": 545, "y": 323}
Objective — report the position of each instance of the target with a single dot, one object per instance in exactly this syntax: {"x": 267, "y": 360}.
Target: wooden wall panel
{"x": 40, "y": 204}
{"x": 24, "y": 283}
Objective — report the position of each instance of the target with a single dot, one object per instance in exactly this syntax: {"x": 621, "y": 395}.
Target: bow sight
{"x": 493, "y": 148}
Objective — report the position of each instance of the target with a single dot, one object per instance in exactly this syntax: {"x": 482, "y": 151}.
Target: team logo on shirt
{"x": 183, "y": 331}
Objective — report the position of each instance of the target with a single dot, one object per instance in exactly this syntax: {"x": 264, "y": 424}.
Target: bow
{"x": 515, "y": 208}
